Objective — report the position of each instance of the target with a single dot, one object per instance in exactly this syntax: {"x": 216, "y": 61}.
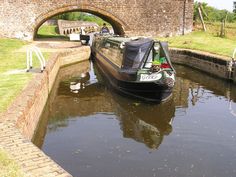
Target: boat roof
{"x": 127, "y": 39}
{"x": 139, "y": 42}
{"x": 119, "y": 39}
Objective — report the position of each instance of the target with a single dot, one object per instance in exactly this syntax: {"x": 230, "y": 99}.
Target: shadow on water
{"x": 91, "y": 118}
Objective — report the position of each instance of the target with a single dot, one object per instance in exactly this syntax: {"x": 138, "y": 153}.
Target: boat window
{"x": 112, "y": 52}
{"x": 148, "y": 63}
{"x": 134, "y": 53}
{"x": 156, "y": 46}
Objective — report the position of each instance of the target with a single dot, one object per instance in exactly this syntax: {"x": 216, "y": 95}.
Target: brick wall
{"x": 22, "y": 18}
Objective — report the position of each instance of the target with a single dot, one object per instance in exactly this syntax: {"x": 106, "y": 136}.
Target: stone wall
{"x": 209, "y": 63}
{"x": 50, "y": 22}
{"x": 22, "y": 18}
{"x": 68, "y": 27}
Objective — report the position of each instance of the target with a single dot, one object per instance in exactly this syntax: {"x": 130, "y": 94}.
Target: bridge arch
{"x": 118, "y": 25}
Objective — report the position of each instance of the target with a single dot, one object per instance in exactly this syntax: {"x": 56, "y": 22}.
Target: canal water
{"x": 93, "y": 132}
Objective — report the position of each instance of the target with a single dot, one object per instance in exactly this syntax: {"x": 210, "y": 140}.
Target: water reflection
{"x": 145, "y": 123}
{"x": 83, "y": 96}
{"x": 81, "y": 92}
{"x": 189, "y": 134}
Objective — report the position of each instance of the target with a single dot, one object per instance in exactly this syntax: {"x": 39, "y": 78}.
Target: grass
{"x": 207, "y": 41}
{"x": 12, "y": 61}
{"x": 8, "y": 168}
{"x": 49, "y": 31}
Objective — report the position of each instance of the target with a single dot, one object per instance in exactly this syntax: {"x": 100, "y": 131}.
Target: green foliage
{"x": 234, "y": 10}
{"x": 11, "y": 60}
{"x": 80, "y": 16}
{"x": 70, "y": 16}
{"x": 213, "y": 14}
{"x": 49, "y": 31}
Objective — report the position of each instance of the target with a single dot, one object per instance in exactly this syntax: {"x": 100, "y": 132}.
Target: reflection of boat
{"x": 138, "y": 67}
{"x": 79, "y": 97}
{"x": 145, "y": 123}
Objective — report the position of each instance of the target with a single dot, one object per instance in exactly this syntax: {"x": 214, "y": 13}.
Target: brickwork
{"x": 209, "y": 63}
{"x": 22, "y": 18}
{"x": 32, "y": 160}
{"x": 67, "y": 27}
{"x": 19, "y": 122}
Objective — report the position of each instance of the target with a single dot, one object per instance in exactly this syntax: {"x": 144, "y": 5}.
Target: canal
{"x": 93, "y": 132}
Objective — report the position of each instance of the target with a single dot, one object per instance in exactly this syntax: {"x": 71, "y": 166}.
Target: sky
{"x": 220, "y": 4}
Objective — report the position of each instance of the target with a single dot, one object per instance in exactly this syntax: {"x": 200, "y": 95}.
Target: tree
{"x": 234, "y": 10}
{"x": 213, "y": 14}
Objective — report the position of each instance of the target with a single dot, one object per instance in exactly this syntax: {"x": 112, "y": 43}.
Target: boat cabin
{"x": 134, "y": 53}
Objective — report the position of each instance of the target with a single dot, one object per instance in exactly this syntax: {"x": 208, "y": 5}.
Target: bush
{"x": 80, "y": 16}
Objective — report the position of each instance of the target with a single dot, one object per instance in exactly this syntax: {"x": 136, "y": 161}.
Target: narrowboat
{"x": 139, "y": 67}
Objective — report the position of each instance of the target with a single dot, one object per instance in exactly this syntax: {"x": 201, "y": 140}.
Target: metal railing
{"x": 29, "y": 60}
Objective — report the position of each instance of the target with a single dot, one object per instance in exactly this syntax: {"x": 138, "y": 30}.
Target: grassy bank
{"x": 8, "y": 168}
{"x": 207, "y": 41}
{"x": 49, "y": 31}
{"x": 12, "y": 74}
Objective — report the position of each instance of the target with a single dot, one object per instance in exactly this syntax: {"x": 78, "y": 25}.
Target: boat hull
{"x": 126, "y": 82}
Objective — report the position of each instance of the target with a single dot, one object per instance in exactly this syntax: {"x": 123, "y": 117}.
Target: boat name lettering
{"x": 150, "y": 77}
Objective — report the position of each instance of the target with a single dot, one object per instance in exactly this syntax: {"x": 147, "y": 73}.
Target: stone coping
{"x": 201, "y": 53}
{"x": 221, "y": 66}
{"x": 19, "y": 122}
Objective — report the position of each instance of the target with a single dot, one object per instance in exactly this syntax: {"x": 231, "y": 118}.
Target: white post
{"x": 234, "y": 54}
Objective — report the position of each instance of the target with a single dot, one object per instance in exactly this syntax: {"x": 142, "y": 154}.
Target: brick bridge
{"x": 22, "y": 18}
